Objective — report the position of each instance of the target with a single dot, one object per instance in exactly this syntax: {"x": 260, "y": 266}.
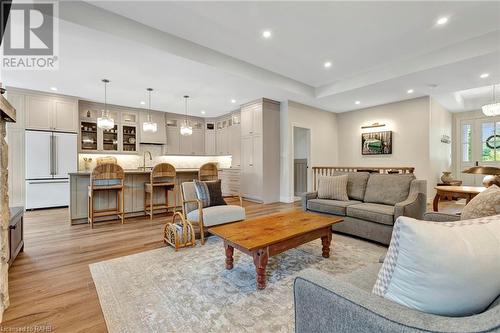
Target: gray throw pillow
{"x": 333, "y": 188}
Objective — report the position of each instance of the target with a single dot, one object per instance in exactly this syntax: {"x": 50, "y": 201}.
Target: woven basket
{"x": 179, "y": 234}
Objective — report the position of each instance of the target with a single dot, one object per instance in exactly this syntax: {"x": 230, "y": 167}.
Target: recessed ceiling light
{"x": 266, "y": 34}
{"x": 203, "y": 112}
{"x": 357, "y": 102}
{"x": 143, "y": 103}
{"x": 233, "y": 101}
{"x": 442, "y": 20}
{"x": 484, "y": 75}
{"x": 53, "y": 88}
{"x": 409, "y": 91}
{"x": 327, "y": 64}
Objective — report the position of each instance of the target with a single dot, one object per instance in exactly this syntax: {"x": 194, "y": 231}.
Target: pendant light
{"x": 149, "y": 125}
{"x": 186, "y": 129}
{"x": 492, "y": 109}
{"x": 105, "y": 121}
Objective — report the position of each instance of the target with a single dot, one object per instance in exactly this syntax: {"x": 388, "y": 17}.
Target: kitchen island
{"x": 133, "y": 193}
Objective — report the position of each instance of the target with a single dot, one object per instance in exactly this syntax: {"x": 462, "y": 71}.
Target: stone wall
{"x": 4, "y": 221}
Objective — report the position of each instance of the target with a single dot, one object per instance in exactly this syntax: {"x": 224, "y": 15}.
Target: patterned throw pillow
{"x": 486, "y": 203}
{"x": 333, "y": 188}
{"x": 443, "y": 268}
{"x": 209, "y": 192}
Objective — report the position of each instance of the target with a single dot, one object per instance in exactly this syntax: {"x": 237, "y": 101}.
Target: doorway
{"x": 479, "y": 145}
{"x": 301, "y": 158}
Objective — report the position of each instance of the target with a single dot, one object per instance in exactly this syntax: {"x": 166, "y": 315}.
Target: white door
{"x": 198, "y": 142}
{"x": 235, "y": 146}
{"x": 479, "y": 145}
{"x": 65, "y": 154}
{"x": 246, "y": 121}
{"x": 246, "y": 166}
{"x": 38, "y": 155}
{"x": 210, "y": 142}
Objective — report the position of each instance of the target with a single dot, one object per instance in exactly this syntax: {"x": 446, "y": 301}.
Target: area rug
{"x": 191, "y": 291}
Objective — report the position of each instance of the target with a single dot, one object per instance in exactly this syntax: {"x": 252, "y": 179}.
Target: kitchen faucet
{"x": 144, "y": 159}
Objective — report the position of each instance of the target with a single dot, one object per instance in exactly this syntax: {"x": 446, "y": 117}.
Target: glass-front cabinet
{"x": 122, "y": 138}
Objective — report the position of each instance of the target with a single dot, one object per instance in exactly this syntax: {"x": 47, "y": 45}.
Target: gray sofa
{"x": 324, "y": 303}
{"x": 375, "y": 202}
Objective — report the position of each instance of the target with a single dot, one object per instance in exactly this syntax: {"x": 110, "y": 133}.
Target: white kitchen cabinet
{"x": 260, "y": 150}
{"x": 173, "y": 140}
{"x": 15, "y": 140}
{"x": 186, "y": 143}
{"x": 46, "y": 112}
{"x": 158, "y": 137}
{"x": 251, "y": 120}
{"x": 235, "y": 146}
{"x": 210, "y": 139}
{"x": 65, "y": 116}
{"x": 198, "y": 142}
{"x": 39, "y": 112}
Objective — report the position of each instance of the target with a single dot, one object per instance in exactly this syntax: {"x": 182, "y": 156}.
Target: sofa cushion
{"x": 486, "y": 203}
{"x": 333, "y": 187}
{"x": 356, "y": 184}
{"x": 216, "y": 215}
{"x": 336, "y": 207}
{"x": 444, "y": 268}
{"x": 388, "y": 189}
{"x": 378, "y": 213}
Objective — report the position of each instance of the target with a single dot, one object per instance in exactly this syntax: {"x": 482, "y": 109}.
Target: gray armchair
{"x": 324, "y": 303}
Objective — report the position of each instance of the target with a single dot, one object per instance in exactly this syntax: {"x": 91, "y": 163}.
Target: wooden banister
{"x": 330, "y": 170}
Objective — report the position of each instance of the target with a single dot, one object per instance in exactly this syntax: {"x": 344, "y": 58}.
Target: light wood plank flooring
{"x": 50, "y": 283}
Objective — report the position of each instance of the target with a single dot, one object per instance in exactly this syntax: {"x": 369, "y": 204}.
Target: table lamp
{"x": 492, "y": 174}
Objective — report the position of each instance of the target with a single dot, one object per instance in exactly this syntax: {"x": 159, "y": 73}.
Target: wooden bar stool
{"x": 106, "y": 177}
{"x": 208, "y": 171}
{"x": 162, "y": 176}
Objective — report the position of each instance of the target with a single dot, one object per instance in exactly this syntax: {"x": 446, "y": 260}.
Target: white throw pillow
{"x": 333, "y": 187}
{"x": 486, "y": 203}
{"x": 444, "y": 268}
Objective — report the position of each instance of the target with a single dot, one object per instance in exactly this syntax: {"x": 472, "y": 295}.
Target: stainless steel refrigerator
{"x": 50, "y": 156}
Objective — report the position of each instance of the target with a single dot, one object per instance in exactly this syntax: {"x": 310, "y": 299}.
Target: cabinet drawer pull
{"x": 12, "y": 227}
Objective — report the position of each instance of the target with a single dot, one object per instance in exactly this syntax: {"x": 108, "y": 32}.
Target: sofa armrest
{"x": 416, "y": 203}
{"x": 324, "y": 303}
{"x": 441, "y": 217}
{"x": 307, "y": 196}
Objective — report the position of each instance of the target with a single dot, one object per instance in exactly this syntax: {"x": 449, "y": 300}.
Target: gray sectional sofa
{"x": 345, "y": 304}
{"x": 375, "y": 202}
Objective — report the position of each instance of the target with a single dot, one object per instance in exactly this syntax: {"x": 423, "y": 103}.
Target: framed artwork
{"x": 376, "y": 143}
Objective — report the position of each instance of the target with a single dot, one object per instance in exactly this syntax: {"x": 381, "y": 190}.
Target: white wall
{"x": 323, "y": 146}
{"x": 440, "y": 123}
{"x": 409, "y": 122}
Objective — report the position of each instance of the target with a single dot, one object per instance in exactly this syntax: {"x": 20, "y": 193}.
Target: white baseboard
{"x": 286, "y": 199}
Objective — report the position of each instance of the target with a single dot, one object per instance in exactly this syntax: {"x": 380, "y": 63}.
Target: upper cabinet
{"x": 158, "y": 137}
{"x": 45, "y": 112}
{"x": 251, "y": 120}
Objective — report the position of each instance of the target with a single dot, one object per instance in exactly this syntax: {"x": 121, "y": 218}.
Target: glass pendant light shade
{"x": 105, "y": 121}
{"x": 186, "y": 128}
{"x": 149, "y": 125}
{"x": 492, "y": 109}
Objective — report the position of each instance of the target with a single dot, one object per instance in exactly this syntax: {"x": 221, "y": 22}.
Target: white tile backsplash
{"x": 135, "y": 161}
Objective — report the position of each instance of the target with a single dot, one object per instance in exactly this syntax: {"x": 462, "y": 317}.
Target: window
{"x": 490, "y": 141}
{"x": 466, "y": 142}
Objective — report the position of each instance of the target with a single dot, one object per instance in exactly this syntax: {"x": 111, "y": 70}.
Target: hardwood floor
{"x": 50, "y": 283}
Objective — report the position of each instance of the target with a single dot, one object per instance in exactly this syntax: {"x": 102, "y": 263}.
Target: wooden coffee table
{"x": 267, "y": 236}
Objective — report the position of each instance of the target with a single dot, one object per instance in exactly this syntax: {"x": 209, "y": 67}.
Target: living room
{"x": 250, "y": 166}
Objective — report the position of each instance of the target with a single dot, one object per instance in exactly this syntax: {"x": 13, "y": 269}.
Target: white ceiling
{"x": 214, "y": 51}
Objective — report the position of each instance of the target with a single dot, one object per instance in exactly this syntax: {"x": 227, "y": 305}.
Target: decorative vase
{"x": 446, "y": 177}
